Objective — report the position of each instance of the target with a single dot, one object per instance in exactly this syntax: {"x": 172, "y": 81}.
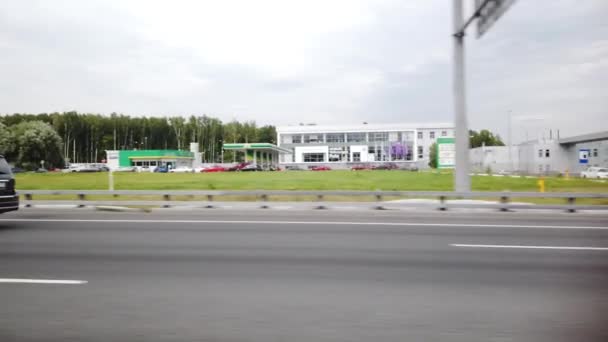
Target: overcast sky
{"x": 325, "y": 61}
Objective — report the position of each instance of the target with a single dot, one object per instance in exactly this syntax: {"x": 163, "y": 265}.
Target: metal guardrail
{"x": 166, "y": 198}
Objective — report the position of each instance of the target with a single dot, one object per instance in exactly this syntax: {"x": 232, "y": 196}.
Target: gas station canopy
{"x": 256, "y": 147}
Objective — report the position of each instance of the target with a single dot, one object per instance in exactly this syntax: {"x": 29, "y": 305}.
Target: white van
{"x": 595, "y": 172}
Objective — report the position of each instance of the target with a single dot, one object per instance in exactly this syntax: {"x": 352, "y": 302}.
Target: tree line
{"x": 57, "y": 138}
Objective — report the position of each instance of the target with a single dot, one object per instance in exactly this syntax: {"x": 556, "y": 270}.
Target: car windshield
{"x": 5, "y": 169}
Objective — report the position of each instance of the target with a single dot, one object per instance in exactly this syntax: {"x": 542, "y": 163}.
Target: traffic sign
{"x": 489, "y": 12}
{"x": 583, "y": 156}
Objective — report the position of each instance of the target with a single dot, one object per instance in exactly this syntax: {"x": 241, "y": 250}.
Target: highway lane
{"x": 219, "y": 275}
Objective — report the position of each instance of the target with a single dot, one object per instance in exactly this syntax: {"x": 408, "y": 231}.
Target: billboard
{"x": 446, "y": 153}
{"x": 490, "y": 13}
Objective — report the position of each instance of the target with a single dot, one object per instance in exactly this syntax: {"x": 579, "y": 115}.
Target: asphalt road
{"x": 220, "y": 275}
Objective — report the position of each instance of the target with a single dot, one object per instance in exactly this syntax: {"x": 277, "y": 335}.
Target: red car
{"x": 360, "y": 167}
{"x": 238, "y": 167}
{"x": 215, "y": 168}
{"x": 320, "y": 168}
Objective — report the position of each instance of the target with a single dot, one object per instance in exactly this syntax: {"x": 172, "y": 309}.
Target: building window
{"x": 355, "y": 137}
{"x": 296, "y": 139}
{"x": 378, "y": 136}
{"x": 419, "y": 135}
{"x": 432, "y": 135}
{"x": 334, "y": 137}
{"x": 595, "y": 152}
{"x": 540, "y": 168}
{"x": 547, "y": 153}
{"x": 314, "y": 157}
{"x": 444, "y": 133}
{"x": 420, "y": 152}
{"x": 547, "y": 168}
{"x": 540, "y": 153}
{"x": 311, "y": 138}
{"x": 356, "y": 156}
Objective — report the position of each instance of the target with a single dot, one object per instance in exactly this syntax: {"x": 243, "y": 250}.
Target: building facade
{"x": 117, "y": 159}
{"x": 544, "y": 156}
{"x": 347, "y": 145}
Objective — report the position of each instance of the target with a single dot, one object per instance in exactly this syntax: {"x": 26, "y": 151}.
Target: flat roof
{"x": 362, "y": 127}
{"x": 598, "y": 136}
{"x": 158, "y": 157}
{"x": 256, "y": 146}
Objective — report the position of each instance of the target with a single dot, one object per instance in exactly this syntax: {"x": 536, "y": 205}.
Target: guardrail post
{"x": 504, "y": 200}
{"x": 81, "y": 198}
{"x": 572, "y": 208}
{"x": 442, "y": 204}
{"x": 210, "y": 201}
{"x": 320, "y": 201}
{"x": 28, "y": 197}
{"x": 167, "y": 199}
{"x": 265, "y": 200}
{"x": 379, "y": 201}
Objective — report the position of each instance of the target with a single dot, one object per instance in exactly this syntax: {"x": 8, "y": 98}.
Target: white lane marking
{"x": 42, "y": 281}
{"x": 337, "y": 223}
{"x": 576, "y": 248}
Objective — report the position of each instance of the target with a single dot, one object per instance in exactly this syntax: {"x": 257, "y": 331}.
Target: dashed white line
{"x": 42, "y": 281}
{"x": 576, "y": 248}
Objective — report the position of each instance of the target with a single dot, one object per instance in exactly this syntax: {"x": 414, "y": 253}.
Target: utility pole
{"x": 510, "y": 142}
{"x": 462, "y": 181}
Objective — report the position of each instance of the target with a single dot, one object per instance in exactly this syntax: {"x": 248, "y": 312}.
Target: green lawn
{"x": 295, "y": 180}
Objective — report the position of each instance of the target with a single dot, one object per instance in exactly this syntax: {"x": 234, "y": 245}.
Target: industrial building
{"x": 345, "y": 145}
{"x": 544, "y": 156}
{"x": 117, "y": 159}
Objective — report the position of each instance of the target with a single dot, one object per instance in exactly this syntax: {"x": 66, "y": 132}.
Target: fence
{"x": 443, "y": 200}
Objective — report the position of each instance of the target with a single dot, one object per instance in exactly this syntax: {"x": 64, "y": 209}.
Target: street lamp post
{"x": 462, "y": 180}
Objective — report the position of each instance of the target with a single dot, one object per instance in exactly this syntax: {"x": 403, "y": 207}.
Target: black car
{"x": 9, "y": 200}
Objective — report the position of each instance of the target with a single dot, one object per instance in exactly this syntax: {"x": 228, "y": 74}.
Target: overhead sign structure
{"x": 489, "y": 12}
{"x": 446, "y": 153}
{"x": 583, "y": 156}
{"x": 486, "y": 13}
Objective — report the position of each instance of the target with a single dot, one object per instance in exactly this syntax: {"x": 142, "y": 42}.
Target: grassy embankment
{"x": 304, "y": 180}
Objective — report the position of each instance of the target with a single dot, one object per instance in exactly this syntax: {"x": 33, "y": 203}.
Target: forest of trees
{"x": 83, "y": 138}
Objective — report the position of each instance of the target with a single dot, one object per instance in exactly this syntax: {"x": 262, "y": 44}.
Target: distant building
{"x": 149, "y": 158}
{"x": 544, "y": 156}
{"x": 344, "y": 145}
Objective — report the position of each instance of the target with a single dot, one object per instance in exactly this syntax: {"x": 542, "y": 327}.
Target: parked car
{"x": 83, "y": 168}
{"x": 9, "y": 200}
{"x": 162, "y": 169}
{"x": 293, "y": 168}
{"x": 238, "y": 167}
{"x": 595, "y": 172}
{"x": 41, "y": 170}
{"x": 181, "y": 169}
{"x": 214, "y": 168}
{"x": 17, "y": 170}
{"x": 385, "y": 166}
{"x": 360, "y": 167}
{"x": 252, "y": 167}
{"x": 320, "y": 168}
{"x": 125, "y": 169}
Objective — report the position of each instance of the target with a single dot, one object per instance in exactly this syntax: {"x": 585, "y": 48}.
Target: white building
{"x": 544, "y": 156}
{"x": 344, "y": 145}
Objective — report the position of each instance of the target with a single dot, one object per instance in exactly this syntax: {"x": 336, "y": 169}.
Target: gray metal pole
{"x": 462, "y": 181}
{"x": 512, "y": 168}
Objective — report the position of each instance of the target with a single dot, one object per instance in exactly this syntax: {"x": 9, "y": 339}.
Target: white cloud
{"x": 289, "y": 61}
